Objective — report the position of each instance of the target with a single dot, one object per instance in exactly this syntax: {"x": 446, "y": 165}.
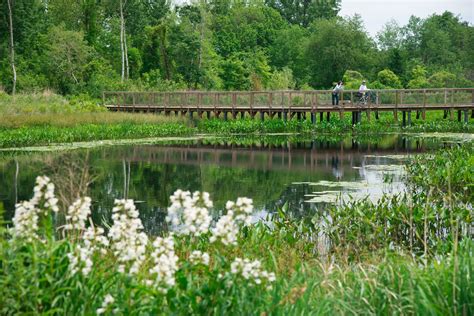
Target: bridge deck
{"x": 290, "y": 103}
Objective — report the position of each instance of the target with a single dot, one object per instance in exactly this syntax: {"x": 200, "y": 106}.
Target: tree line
{"x": 87, "y": 46}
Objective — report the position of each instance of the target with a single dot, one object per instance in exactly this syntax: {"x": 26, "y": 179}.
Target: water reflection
{"x": 273, "y": 171}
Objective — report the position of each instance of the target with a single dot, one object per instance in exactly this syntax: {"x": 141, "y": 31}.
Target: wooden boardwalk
{"x": 288, "y": 104}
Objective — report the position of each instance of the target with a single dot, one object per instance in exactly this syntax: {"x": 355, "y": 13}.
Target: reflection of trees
{"x": 264, "y": 171}
{"x": 72, "y": 175}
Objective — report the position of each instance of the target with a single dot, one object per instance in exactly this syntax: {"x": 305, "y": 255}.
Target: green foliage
{"x": 334, "y": 47}
{"x": 352, "y": 79}
{"x": 281, "y": 80}
{"x": 386, "y": 79}
{"x": 418, "y": 80}
{"x": 74, "y": 47}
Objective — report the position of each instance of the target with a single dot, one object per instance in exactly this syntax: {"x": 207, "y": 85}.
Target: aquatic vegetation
{"x": 29, "y": 136}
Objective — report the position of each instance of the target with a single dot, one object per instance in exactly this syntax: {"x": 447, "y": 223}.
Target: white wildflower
{"x": 226, "y": 230}
{"x": 190, "y": 214}
{"x": 198, "y": 257}
{"x": 27, "y": 214}
{"x": 108, "y": 301}
{"x": 127, "y": 237}
{"x": 25, "y": 221}
{"x": 241, "y": 210}
{"x": 165, "y": 263}
{"x": 80, "y": 259}
{"x": 252, "y": 271}
{"x": 78, "y": 213}
{"x": 43, "y": 195}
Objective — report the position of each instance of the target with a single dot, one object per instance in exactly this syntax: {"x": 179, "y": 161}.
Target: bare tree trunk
{"x": 127, "y": 71}
{"x": 122, "y": 50}
{"x": 12, "y": 47}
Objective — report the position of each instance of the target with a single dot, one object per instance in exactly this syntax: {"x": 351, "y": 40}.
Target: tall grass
{"x": 84, "y": 118}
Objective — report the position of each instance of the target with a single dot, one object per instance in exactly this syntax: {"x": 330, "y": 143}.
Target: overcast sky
{"x": 376, "y": 13}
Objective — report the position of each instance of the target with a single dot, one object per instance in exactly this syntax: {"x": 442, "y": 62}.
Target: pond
{"x": 305, "y": 174}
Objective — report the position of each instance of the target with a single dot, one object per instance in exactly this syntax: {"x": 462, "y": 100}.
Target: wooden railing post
{"x": 341, "y": 106}
{"x": 395, "y": 113}
{"x": 423, "y": 114}
{"x": 270, "y": 100}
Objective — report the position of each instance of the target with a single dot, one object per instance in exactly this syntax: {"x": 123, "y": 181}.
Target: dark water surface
{"x": 305, "y": 174}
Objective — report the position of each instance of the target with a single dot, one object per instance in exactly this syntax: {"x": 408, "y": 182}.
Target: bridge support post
{"x": 225, "y": 115}
{"x": 328, "y": 116}
{"x": 472, "y": 114}
{"x": 321, "y": 116}
{"x": 466, "y": 116}
{"x": 353, "y": 118}
{"x": 285, "y": 116}
{"x": 242, "y": 115}
{"x": 404, "y": 118}
{"x": 279, "y": 115}
{"x": 459, "y": 115}
{"x": 208, "y": 114}
{"x": 191, "y": 115}
{"x": 377, "y": 115}
{"x": 417, "y": 115}
{"x": 262, "y": 116}
{"x": 313, "y": 118}
{"x": 409, "y": 118}
{"x": 298, "y": 116}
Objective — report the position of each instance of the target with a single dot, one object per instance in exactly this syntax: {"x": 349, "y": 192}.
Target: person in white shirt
{"x": 335, "y": 92}
{"x": 364, "y": 92}
{"x": 363, "y": 87}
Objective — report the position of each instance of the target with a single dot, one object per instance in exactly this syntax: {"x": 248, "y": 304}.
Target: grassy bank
{"x": 410, "y": 254}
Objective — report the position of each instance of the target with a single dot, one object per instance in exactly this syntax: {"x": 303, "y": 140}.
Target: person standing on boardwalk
{"x": 335, "y": 92}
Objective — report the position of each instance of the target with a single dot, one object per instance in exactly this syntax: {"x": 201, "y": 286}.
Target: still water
{"x": 307, "y": 175}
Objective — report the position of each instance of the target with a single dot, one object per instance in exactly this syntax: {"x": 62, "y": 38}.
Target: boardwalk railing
{"x": 291, "y": 103}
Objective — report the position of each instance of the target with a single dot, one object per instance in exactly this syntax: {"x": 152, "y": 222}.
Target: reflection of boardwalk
{"x": 260, "y": 158}
{"x": 287, "y": 104}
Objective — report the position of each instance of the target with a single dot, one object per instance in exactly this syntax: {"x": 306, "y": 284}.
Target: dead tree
{"x": 12, "y": 47}
{"x": 123, "y": 42}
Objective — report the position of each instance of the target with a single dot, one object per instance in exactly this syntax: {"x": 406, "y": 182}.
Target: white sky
{"x": 376, "y": 13}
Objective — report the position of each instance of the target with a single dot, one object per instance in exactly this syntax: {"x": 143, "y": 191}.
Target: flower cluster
{"x": 226, "y": 230}
{"x": 127, "y": 237}
{"x": 44, "y": 194}
{"x": 241, "y": 210}
{"x": 252, "y": 271}
{"x": 81, "y": 258}
{"x": 108, "y": 301}
{"x": 227, "y": 227}
{"x": 165, "y": 263}
{"x": 78, "y": 213}
{"x": 25, "y": 221}
{"x": 190, "y": 214}
{"x": 27, "y": 213}
{"x": 198, "y": 257}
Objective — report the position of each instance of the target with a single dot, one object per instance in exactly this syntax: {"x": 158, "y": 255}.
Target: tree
{"x": 352, "y": 79}
{"x": 387, "y": 79}
{"x": 334, "y": 47}
{"x": 304, "y": 12}
{"x": 67, "y": 57}
{"x": 288, "y": 51}
{"x": 12, "y": 45}
{"x": 123, "y": 41}
{"x": 418, "y": 78}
